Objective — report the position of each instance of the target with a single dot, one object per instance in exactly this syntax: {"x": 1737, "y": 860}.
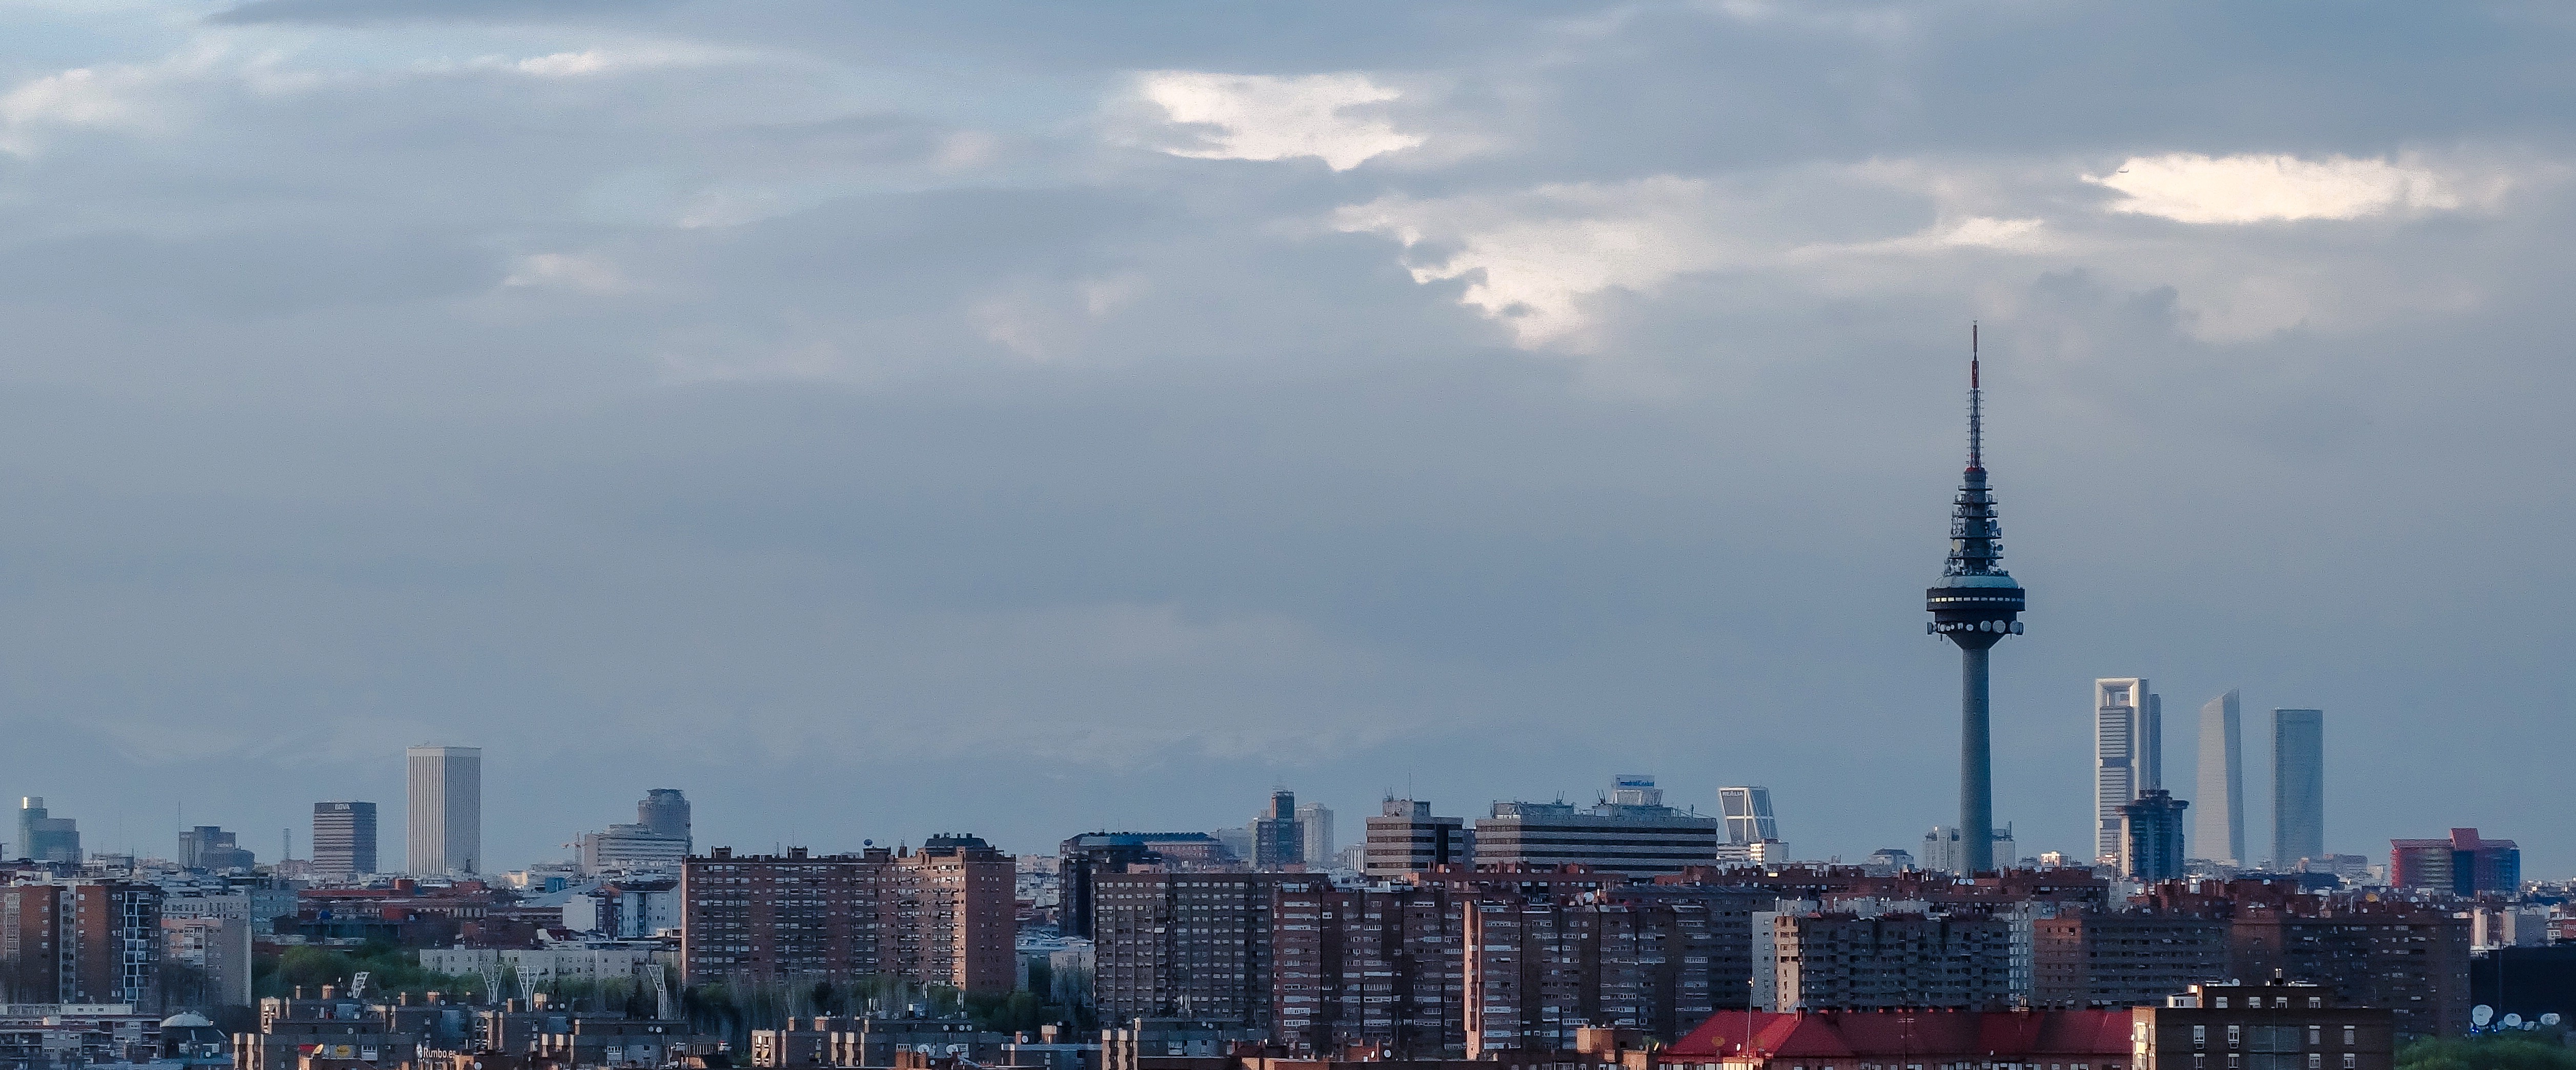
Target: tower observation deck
{"x": 1975, "y": 605}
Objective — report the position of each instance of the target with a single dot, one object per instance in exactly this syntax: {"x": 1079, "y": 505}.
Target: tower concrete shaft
{"x": 1975, "y": 605}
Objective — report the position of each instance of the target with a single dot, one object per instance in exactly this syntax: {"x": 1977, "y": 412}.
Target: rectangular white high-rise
{"x": 2218, "y": 816}
{"x": 444, "y": 826}
{"x": 2128, "y": 741}
{"x": 2298, "y": 786}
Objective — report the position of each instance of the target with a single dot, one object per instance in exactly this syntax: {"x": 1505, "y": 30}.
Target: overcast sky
{"x": 887, "y": 419}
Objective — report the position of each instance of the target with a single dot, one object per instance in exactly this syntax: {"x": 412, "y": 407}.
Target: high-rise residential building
{"x": 2462, "y": 865}
{"x": 1752, "y": 830}
{"x": 444, "y": 825}
{"x": 1405, "y": 838}
{"x": 1632, "y": 833}
{"x": 2151, "y": 837}
{"x": 1370, "y": 965}
{"x": 2128, "y": 733}
{"x": 666, "y": 812}
{"x": 1537, "y": 968}
{"x": 2284, "y": 1025}
{"x": 82, "y": 942}
{"x": 1847, "y": 961}
{"x": 344, "y": 838}
{"x": 44, "y": 837}
{"x": 1189, "y": 945}
{"x": 2123, "y": 958}
{"x": 1315, "y": 827}
{"x": 1276, "y": 838}
{"x": 942, "y": 914}
{"x": 2218, "y": 824}
{"x": 2298, "y": 786}
{"x": 211, "y": 848}
{"x": 1975, "y": 604}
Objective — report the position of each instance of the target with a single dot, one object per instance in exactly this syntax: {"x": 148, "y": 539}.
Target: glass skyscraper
{"x": 2298, "y": 786}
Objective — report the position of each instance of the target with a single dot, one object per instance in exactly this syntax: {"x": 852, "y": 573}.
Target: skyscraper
{"x": 44, "y": 837}
{"x": 2127, "y": 733}
{"x": 1748, "y": 815}
{"x": 666, "y": 812}
{"x": 2218, "y": 831}
{"x": 2151, "y": 836}
{"x": 1974, "y": 606}
{"x": 1276, "y": 839}
{"x": 344, "y": 838}
{"x": 444, "y": 825}
{"x": 2298, "y": 786}
{"x": 1315, "y": 827}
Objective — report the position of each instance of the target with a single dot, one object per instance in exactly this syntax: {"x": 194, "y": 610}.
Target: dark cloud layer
{"x": 853, "y": 415}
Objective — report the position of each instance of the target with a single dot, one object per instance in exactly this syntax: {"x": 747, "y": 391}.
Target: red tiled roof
{"x": 1860, "y": 1034}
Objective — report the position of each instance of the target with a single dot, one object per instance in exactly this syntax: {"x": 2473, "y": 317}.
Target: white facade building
{"x": 534, "y": 968}
{"x": 2218, "y": 815}
{"x": 444, "y": 826}
{"x": 2128, "y": 741}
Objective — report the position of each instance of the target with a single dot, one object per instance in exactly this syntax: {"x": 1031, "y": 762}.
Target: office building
{"x": 1277, "y": 840}
{"x": 2128, "y": 733}
{"x": 208, "y": 847}
{"x": 2103, "y": 958}
{"x": 942, "y": 914}
{"x": 1632, "y": 832}
{"x": 1975, "y": 604}
{"x": 1752, "y": 829}
{"x": 1405, "y": 838}
{"x": 44, "y": 837}
{"x": 666, "y": 812}
{"x": 82, "y": 942}
{"x": 444, "y": 825}
{"x": 2151, "y": 837}
{"x": 1315, "y": 826}
{"x": 2276, "y": 1026}
{"x": 2463, "y": 865}
{"x": 630, "y": 849}
{"x": 2298, "y": 786}
{"x": 344, "y": 838}
{"x": 2218, "y": 825}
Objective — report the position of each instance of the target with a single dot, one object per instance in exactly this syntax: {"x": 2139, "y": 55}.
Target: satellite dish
{"x": 2513, "y": 1021}
{"x": 2480, "y": 1015}
{"x": 2550, "y": 1018}
{"x": 864, "y": 843}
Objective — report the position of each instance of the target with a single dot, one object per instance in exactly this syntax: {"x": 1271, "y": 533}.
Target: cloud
{"x": 2191, "y": 188}
{"x": 1532, "y": 259}
{"x": 579, "y": 272}
{"x": 1261, "y": 117}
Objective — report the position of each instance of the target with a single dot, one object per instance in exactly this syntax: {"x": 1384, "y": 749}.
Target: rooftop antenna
{"x": 1976, "y": 413}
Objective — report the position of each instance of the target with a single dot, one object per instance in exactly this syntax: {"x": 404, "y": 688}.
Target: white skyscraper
{"x": 2218, "y": 816}
{"x": 2128, "y": 758}
{"x": 444, "y": 826}
{"x": 1315, "y": 823}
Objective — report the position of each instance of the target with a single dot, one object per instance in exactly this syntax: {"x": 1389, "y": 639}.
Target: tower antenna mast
{"x": 1974, "y": 606}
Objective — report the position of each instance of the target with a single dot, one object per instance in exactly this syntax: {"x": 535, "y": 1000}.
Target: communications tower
{"x": 1974, "y": 606}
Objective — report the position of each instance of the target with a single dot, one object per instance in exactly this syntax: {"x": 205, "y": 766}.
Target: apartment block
{"x": 2276, "y": 1026}
{"x": 1847, "y": 961}
{"x": 1188, "y": 945}
{"x": 2123, "y": 959}
{"x": 1380, "y": 966}
{"x": 942, "y": 914}
{"x": 82, "y": 942}
{"x": 1537, "y": 970}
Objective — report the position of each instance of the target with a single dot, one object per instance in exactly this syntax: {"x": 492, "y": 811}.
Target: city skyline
{"x": 1471, "y": 402}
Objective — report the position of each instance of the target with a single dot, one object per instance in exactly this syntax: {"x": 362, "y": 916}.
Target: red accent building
{"x": 1905, "y": 1040}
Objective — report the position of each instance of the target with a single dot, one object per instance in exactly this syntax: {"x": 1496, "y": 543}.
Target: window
{"x": 2316, "y": 1002}
{"x": 2350, "y": 1060}
{"x": 2199, "y": 1062}
{"x": 2347, "y": 1042}
{"x": 2222, "y": 1003}
{"x": 2316, "y": 1034}
{"x": 2200, "y": 1036}
{"x": 2316, "y": 1061}
{"x": 2234, "y": 1034}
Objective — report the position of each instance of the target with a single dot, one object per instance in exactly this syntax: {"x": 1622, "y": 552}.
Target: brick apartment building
{"x": 1189, "y": 945}
{"x": 2274, "y": 1026}
{"x": 1538, "y": 969}
{"x": 2123, "y": 959}
{"x": 82, "y": 942}
{"x": 2411, "y": 958}
{"x": 1847, "y": 961}
{"x": 1377, "y": 966}
{"x": 1911, "y": 1039}
{"x": 939, "y": 915}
